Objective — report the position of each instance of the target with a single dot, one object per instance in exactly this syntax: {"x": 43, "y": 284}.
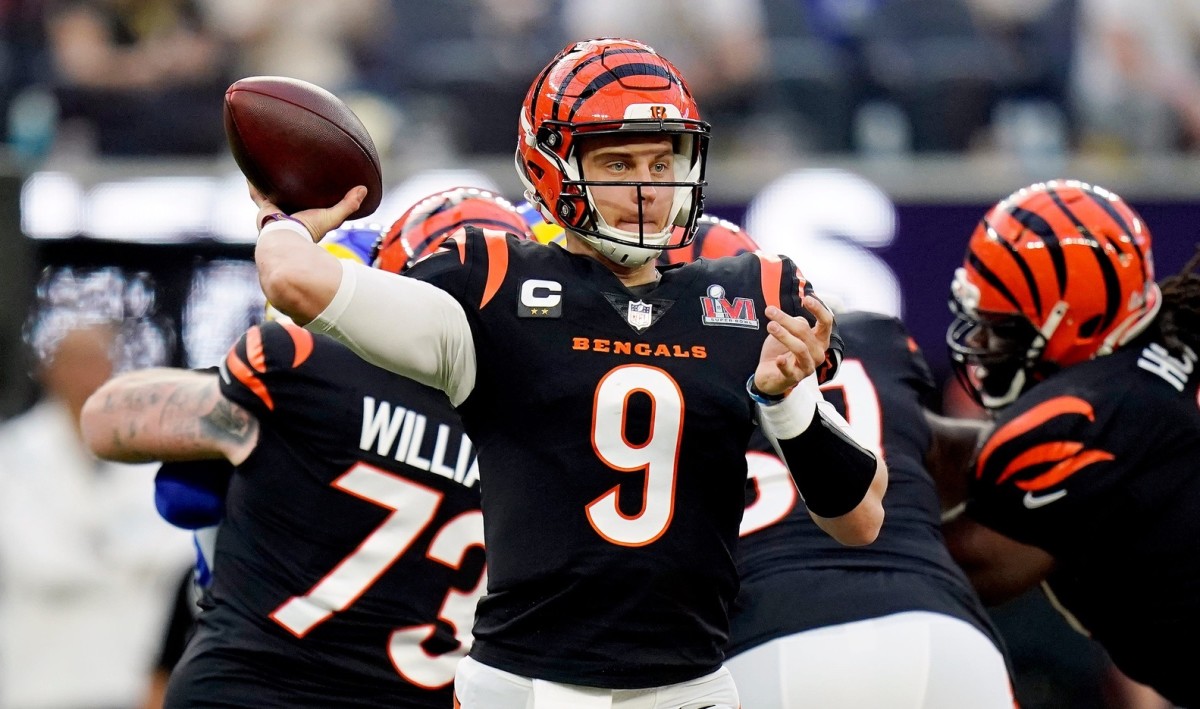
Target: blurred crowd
{"x": 886, "y": 77}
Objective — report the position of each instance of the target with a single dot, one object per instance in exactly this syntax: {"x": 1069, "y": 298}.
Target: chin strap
{"x": 1134, "y": 325}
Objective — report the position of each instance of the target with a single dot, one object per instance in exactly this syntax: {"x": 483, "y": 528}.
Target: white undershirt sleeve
{"x": 404, "y": 325}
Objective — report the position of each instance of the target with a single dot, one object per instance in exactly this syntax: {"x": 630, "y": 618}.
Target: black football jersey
{"x": 1098, "y": 465}
{"x": 350, "y": 558}
{"x": 612, "y": 429}
{"x": 795, "y": 577}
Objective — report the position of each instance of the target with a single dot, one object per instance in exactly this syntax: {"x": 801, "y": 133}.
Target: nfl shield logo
{"x": 640, "y": 314}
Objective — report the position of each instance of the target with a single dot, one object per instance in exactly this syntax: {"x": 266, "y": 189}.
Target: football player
{"x": 349, "y": 561}
{"x": 813, "y": 619}
{"x": 612, "y": 400}
{"x": 190, "y": 494}
{"x": 1087, "y": 484}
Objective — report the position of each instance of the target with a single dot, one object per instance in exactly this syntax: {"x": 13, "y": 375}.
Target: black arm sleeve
{"x": 832, "y": 471}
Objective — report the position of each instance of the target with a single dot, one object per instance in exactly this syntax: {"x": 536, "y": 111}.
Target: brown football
{"x": 300, "y": 145}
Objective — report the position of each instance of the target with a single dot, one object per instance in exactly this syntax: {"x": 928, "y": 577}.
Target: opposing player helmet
{"x": 1055, "y": 274}
{"x": 606, "y": 87}
{"x": 422, "y": 229}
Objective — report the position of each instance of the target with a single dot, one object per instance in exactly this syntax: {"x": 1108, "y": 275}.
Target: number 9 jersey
{"x": 612, "y": 427}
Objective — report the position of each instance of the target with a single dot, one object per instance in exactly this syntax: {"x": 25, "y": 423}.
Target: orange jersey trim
{"x": 772, "y": 277}
{"x": 1052, "y": 452}
{"x": 246, "y": 376}
{"x": 1064, "y": 470}
{"x": 254, "y": 349}
{"x": 302, "y": 340}
{"x": 1030, "y": 420}
{"x": 497, "y": 250}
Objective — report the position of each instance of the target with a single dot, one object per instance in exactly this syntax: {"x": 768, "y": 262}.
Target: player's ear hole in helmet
{"x": 611, "y": 87}
{"x": 424, "y": 226}
{"x": 1055, "y": 274}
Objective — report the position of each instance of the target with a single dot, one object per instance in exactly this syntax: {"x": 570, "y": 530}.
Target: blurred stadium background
{"x": 863, "y": 137}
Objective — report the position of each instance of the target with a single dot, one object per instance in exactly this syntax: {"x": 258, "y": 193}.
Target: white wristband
{"x": 791, "y": 417}
{"x": 285, "y": 225}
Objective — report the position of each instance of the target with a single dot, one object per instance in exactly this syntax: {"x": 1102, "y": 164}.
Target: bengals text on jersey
{"x": 611, "y": 527}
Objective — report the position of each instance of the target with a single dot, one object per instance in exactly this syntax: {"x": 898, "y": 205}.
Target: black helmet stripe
{"x": 1022, "y": 264}
{"x": 1038, "y": 225}
{"x": 1126, "y": 227}
{"x": 1112, "y": 284}
{"x": 570, "y": 78}
{"x": 976, "y": 263}
{"x": 616, "y": 73}
{"x": 537, "y": 90}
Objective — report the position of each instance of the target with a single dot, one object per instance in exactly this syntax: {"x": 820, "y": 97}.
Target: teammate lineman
{"x": 813, "y": 619}
{"x": 349, "y": 560}
{"x": 1088, "y": 482}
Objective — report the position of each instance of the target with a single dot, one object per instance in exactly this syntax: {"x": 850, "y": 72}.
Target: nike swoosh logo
{"x": 1032, "y": 502}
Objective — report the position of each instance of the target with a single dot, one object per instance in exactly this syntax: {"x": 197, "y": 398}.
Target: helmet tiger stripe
{"x": 1068, "y": 266}
{"x": 603, "y": 87}
{"x": 425, "y": 225}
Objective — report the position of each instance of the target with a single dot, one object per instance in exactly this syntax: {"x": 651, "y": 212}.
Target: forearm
{"x": 951, "y": 451}
{"x": 403, "y": 325}
{"x": 841, "y": 479}
{"x": 166, "y": 414}
{"x": 298, "y": 277}
{"x": 999, "y": 567}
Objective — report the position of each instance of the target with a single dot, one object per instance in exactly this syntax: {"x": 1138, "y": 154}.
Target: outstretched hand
{"x": 319, "y": 222}
{"x": 793, "y": 349}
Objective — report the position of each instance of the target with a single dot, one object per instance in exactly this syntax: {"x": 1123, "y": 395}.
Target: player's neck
{"x": 629, "y": 277}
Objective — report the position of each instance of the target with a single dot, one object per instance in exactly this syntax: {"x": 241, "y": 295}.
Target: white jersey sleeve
{"x": 404, "y": 325}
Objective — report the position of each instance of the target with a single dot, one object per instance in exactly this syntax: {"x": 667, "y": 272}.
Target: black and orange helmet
{"x": 601, "y": 87}
{"x": 1055, "y": 274}
{"x": 426, "y": 224}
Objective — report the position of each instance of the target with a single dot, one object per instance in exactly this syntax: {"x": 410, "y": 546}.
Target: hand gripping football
{"x": 300, "y": 145}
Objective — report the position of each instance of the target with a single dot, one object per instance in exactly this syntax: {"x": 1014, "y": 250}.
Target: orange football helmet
{"x": 1055, "y": 274}
{"x": 603, "y": 87}
{"x": 422, "y": 229}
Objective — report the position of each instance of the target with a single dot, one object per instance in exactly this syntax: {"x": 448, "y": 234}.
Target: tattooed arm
{"x": 167, "y": 414}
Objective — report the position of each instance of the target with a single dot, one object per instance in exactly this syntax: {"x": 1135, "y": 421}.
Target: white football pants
{"x": 478, "y": 686}
{"x": 912, "y": 660}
